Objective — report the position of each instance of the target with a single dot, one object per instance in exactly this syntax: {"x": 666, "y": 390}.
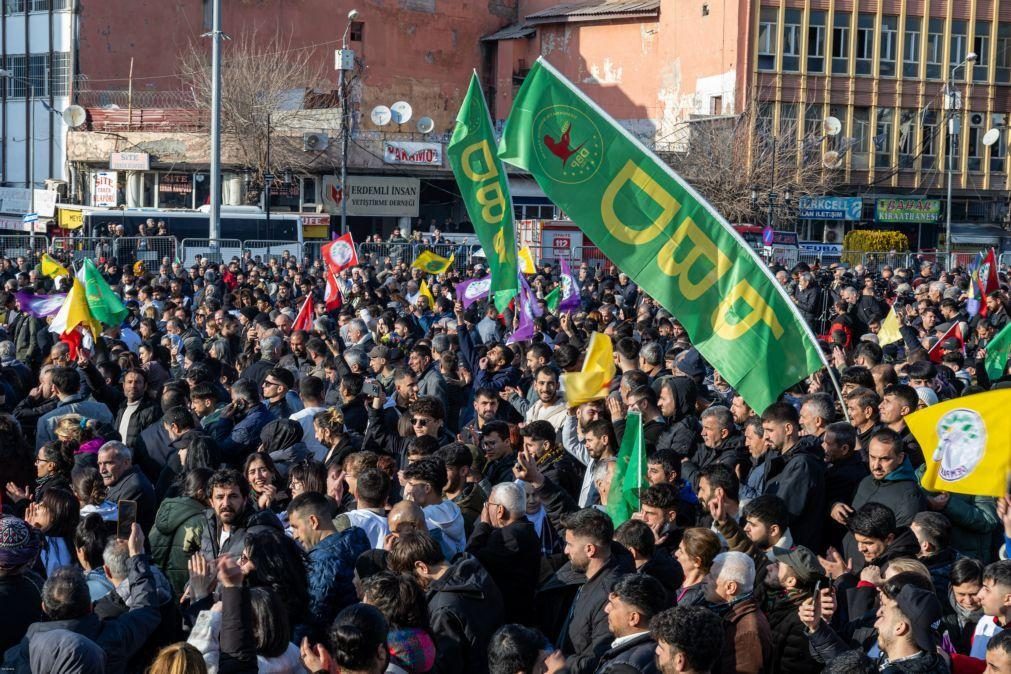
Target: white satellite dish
{"x": 75, "y": 116}
{"x": 401, "y": 112}
{"x": 991, "y": 137}
{"x": 832, "y": 126}
{"x": 381, "y": 115}
{"x": 831, "y": 160}
{"x": 425, "y": 125}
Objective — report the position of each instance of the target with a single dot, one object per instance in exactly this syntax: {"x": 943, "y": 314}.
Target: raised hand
{"x": 201, "y": 577}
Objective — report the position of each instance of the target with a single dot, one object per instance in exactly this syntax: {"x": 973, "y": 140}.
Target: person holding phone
{"x": 126, "y": 482}
{"x": 793, "y": 578}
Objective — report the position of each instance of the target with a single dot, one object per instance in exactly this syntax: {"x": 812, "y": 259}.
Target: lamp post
{"x": 954, "y": 128}
{"x": 344, "y": 61}
{"x": 29, "y": 141}
{"x": 268, "y": 179}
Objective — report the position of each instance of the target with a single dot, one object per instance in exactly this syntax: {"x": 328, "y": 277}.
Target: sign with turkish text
{"x": 907, "y": 210}
{"x": 105, "y": 189}
{"x": 69, "y": 219}
{"x": 830, "y": 208}
{"x": 130, "y": 161}
{"x": 376, "y": 196}
{"x": 415, "y": 154}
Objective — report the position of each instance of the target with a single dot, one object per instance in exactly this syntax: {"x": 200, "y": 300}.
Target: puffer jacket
{"x": 635, "y": 656}
{"x": 331, "y": 570}
{"x": 899, "y": 490}
{"x": 790, "y": 653}
{"x": 178, "y": 528}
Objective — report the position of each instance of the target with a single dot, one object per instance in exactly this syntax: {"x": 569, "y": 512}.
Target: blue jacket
{"x": 236, "y": 440}
{"x": 497, "y": 380}
{"x": 331, "y": 569}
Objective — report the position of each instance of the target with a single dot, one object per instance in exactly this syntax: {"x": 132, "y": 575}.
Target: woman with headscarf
{"x": 282, "y": 440}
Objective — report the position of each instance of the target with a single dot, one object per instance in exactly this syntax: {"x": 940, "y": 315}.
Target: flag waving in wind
{"x": 428, "y": 261}
{"x": 340, "y": 254}
{"x": 52, "y": 268}
{"x": 104, "y": 304}
{"x": 306, "y": 315}
{"x": 629, "y": 472}
{"x": 594, "y": 381}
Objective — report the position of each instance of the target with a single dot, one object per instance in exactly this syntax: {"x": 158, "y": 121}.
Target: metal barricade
{"x": 875, "y": 260}
{"x": 217, "y": 251}
{"x": 152, "y": 251}
{"x": 267, "y": 248}
{"x": 13, "y": 246}
{"x": 462, "y": 253}
{"x": 74, "y": 249}
{"x": 312, "y": 251}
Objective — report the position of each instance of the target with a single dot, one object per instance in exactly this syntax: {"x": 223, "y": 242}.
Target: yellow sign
{"x": 69, "y": 219}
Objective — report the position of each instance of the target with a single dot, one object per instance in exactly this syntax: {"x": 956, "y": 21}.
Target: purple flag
{"x": 40, "y": 306}
{"x": 535, "y": 308}
{"x": 471, "y": 291}
{"x": 525, "y": 328}
{"x": 570, "y": 289}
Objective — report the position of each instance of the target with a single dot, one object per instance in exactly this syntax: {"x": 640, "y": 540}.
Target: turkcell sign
{"x": 830, "y": 208}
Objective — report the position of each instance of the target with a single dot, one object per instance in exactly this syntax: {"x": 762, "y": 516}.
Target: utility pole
{"x": 215, "y": 221}
{"x": 344, "y": 61}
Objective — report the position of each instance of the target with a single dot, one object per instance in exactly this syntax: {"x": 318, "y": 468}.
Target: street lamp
{"x": 344, "y": 61}
{"x": 30, "y": 141}
{"x": 954, "y": 123}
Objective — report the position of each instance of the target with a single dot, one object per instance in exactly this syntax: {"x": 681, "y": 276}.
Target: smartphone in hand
{"x": 127, "y": 516}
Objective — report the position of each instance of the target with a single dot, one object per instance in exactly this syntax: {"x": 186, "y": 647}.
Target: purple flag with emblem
{"x": 40, "y": 306}
{"x": 472, "y": 290}
{"x": 570, "y": 289}
{"x": 524, "y": 308}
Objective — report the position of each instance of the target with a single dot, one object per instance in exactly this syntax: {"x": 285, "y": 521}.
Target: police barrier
{"x": 13, "y": 246}
{"x": 268, "y": 248}
{"x": 215, "y": 250}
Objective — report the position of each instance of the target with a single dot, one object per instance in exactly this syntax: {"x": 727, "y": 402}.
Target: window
{"x": 35, "y": 69}
{"x": 841, "y": 43}
{"x": 865, "y": 43}
{"x": 911, "y": 48}
{"x": 787, "y": 136}
{"x": 998, "y": 151}
{"x": 763, "y": 126}
{"x": 59, "y": 74}
{"x": 1003, "y": 63}
{"x": 791, "y": 40}
{"x": 175, "y": 190}
{"x": 14, "y": 7}
{"x": 308, "y": 190}
{"x": 883, "y": 138}
{"x": 356, "y": 31}
{"x": 716, "y": 105}
{"x": 17, "y": 64}
{"x": 935, "y": 48}
{"x": 974, "y": 140}
{"x": 861, "y": 136}
{"x": 816, "y": 42}
{"x": 37, "y": 74}
{"x": 768, "y": 24}
{"x": 812, "y": 132}
{"x": 958, "y": 40}
{"x": 889, "y": 45}
{"x": 907, "y": 139}
{"x": 928, "y": 146}
{"x": 981, "y": 45}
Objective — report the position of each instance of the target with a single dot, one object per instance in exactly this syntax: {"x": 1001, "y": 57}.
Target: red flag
{"x": 306, "y": 315}
{"x": 334, "y": 300}
{"x": 954, "y": 332}
{"x": 340, "y": 253}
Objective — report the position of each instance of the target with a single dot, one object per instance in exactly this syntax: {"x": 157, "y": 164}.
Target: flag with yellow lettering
{"x": 52, "y": 268}
{"x": 664, "y": 235}
{"x": 432, "y": 263}
{"x": 484, "y": 187}
{"x": 889, "y": 331}
{"x": 965, "y": 443}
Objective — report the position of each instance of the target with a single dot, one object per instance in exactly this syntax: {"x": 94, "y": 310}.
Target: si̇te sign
{"x": 105, "y": 189}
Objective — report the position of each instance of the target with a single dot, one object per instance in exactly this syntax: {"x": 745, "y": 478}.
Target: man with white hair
{"x": 270, "y": 354}
{"x": 358, "y": 336}
{"x": 747, "y": 638}
{"x": 126, "y": 482}
{"x": 506, "y": 544}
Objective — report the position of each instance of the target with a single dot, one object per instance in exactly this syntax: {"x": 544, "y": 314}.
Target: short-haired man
{"x": 539, "y": 440}
{"x": 237, "y": 430}
{"x": 430, "y": 380}
{"x": 791, "y": 580}
{"x": 816, "y": 413}
{"x": 499, "y": 454}
{"x": 862, "y": 406}
{"x": 372, "y": 489}
{"x": 631, "y": 604}
{"x": 998, "y": 654}
{"x": 721, "y": 443}
{"x": 747, "y": 639}
{"x": 844, "y": 471}
{"x": 330, "y": 562}
{"x": 550, "y": 404}
{"x": 460, "y": 489}
{"x": 689, "y": 640}
{"x": 488, "y": 408}
{"x": 599, "y": 443}
{"x": 424, "y": 481}
{"x": 66, "y": 382}
{"x": 231, "y": 516}
{"x": 427, "y": 417}
{"x": 126, "y": 482}
{"x": 995, "y": 600}
{"x": 898, "y": 402}
{"x": 137, "y": 411}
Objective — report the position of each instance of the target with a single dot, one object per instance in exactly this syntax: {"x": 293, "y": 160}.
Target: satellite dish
{"x": 75, "y": 116}
{"x": 425, "y": 125}
{"x": 991, "y": 137}
{"x": 831, "y": 160}
{"x": 401, "y": 112}
{"x": 832, "y": 126}
{"x": 381, "y": 115}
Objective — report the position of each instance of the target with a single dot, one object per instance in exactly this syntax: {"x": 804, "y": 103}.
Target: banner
{"x": 471, "y": 291}
{"x": 659, "y": 231}
{"x": 525, "y": 315}
{"x": 570, "y": 289}
{"x": 484, "y": 187}
{"x": 907, "y": 210}
{"x": 830, "y": 208}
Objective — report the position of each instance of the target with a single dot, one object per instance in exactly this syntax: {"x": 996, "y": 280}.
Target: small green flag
{"x": 103, "y": 303}
{"x": 553, "y": 299}
{"x": 484, "y": 187}
{"x": 629, "y": 473}
{"x": 997, "y": 351}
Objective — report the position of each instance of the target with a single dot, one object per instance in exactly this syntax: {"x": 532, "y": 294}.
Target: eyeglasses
{"x": 416, "y": 421}
{"x": 269, "y": 383}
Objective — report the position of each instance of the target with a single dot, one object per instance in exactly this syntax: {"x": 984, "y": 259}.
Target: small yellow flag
{"x": 423, "y": 291}
{"x": 889, "y": 331}
{"x": 75, "y": 312}
{"x": 428, "y": 261}
{"x": 526, "y": 260}
{"x": 965, "y": 443}
{"x": 594, "y": 380}
{"x": 52, "y": 268}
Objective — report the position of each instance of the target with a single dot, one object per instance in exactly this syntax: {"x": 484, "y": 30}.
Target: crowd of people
{"x": 400, "y": 488}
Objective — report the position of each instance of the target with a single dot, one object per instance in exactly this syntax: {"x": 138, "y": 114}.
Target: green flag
{"x": 553, "y": 299}
{"x": 103, "y": 303}
{"x": 484, "y": 187}
{"x": 660, "y": 232}
{"x": 629, "y": 472}
{"x": 997, "y": 351}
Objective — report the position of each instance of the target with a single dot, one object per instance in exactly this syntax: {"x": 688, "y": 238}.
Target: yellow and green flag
{"x": 594, "y": 381}
{"x": 484, "y": 187}
{"x": 424, "y": 291}
{"x": 889, "y": 331}
{"x": 428, "y": 261}
{"x": 104, "y": 304}
{"x": 965, "y": 443}
{"x": 52, "y": 268}
{"x": 75, "y": 312}
{"x": 664, "y": 235}
{"x": 526, "y": 263}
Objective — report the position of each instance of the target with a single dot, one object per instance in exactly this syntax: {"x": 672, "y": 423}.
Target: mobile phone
{"x": 817, "y": 598}
{"x": 125, "y": 519}
{"x": 371, "y": 388}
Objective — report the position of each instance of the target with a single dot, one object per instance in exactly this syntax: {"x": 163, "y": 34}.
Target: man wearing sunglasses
{"x": 426, "y": 416}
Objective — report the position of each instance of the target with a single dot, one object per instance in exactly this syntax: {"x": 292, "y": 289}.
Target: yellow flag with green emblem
{"x": 433, "y": 264}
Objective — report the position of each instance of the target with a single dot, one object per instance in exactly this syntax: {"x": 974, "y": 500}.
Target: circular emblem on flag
{"x": 961, "y": 436}
{"x": 566, "y": 286}
{"x": 341, "y": 253}
{"x": 567, "y": 144}
{"x": 477, "y": 289}
{"x": 433, "y": 266}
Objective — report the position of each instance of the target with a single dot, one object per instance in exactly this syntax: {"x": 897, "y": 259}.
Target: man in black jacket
{"x": 721, "y": 443}
{"x": 677, "y": 400}
{"x": 507, "y": 545}
{"x": 632, "y": 603}
{"x": 231, "y": 515}
{"x": 844, "y": 470}
{"x": 125, "y": 481}
{"x": 137, "y": 411}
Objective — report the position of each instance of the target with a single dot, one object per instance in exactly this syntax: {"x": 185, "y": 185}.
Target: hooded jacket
{"x": 682, "y": 432}
{"x": 331, "y": 569}
{"x": 282, "y": 439}
{"x": 798, "y": 477}
{"x": 731, "y": 453}
{"x": 465, "y": 607}
{"x": 447, "y": 517}
{"x": 899, "y": 490}
{"x": 178, "y": 529}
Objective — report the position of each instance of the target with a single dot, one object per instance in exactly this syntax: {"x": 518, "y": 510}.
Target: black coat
{"x": 798, "y": 477}
{"x": 512, "y": 556}
{"x": 731, "y": 453}
{"x": 636, "y": 656}
{"x": 134, "y": 486}
{"x": 664, "y": 568}
{"x": 682, "y": 432}
{"x": 23, "y": 591}
{"x": 790, "y": 652}
{"x": 465, "y": 609}
{"x": 841, "y": 481}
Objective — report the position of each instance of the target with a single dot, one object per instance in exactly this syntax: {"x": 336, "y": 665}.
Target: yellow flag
{"x": 526, "y": 260}
{"x": 965, "y": 443}
{"x": 425, "y": 292}
{"x": 52, "y": 268}
{"x": 594, "y": 380}
{"x": 432, "y": 263}
{"x": 889, "y": 331}
{"x": 75, "y": 312}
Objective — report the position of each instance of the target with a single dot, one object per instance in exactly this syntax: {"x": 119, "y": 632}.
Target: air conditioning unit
{"x": 834, "y": 232}
{"x": 976, "y": 119}
{"x": 315, "y": 142}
